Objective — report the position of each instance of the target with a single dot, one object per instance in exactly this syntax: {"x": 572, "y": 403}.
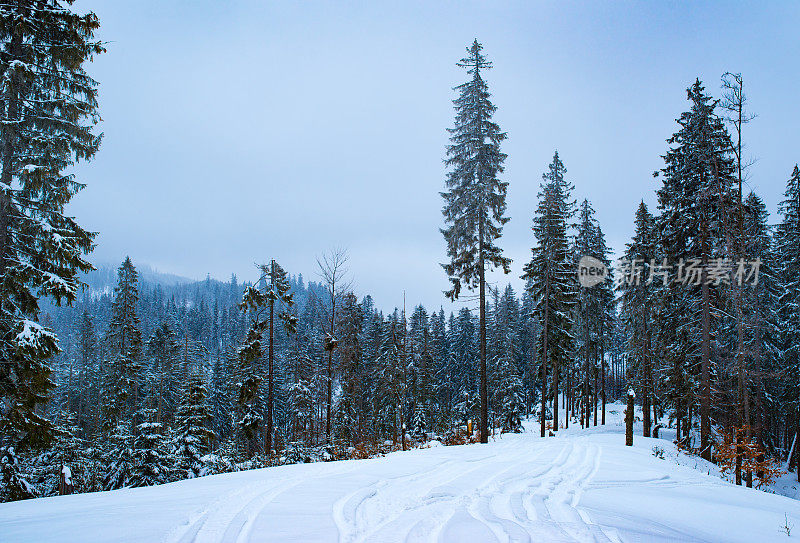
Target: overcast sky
{"x": 236, "y": 132}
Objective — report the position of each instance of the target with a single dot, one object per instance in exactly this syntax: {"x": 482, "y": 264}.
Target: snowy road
{"x": 578, "y": 487}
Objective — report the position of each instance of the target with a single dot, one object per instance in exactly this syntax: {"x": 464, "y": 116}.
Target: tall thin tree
{"x": 475, "y": 202}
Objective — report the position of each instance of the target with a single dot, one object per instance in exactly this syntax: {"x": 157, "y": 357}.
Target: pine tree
{"x": 787, "y": 240}
{"x": 553, "y": 280}
{"x": 392, "y": 374}
{"x": 152, "y": 463}
{"x": 585, "y": 245}
{"x": 262, "y": 304}
{"x": 506, "y": 395}
{"x": 760, "y": 329}
{"x": 421, "y": 365}
{"x": 118, "y": 456}
{"x": 301, "y": 374}
{"x": 162, "y": 349}
{"x": 48, "y": 110}
{"x": 475, "y": 203}
{"x": 463, "y": 362}
{"x": 696, "y": 203}
{"x": 124, "y": 341}
{"x": 194, "y": 436}
{"x": 351, "y": 403}
{"x": 606, "y": 309}
{"x": 639, "y": 293}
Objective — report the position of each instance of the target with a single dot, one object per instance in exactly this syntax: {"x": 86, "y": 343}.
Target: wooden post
{"x": 629, "y": 419}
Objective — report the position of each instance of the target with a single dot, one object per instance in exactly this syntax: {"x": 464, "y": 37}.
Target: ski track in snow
{"x": 230, "y": 519}
{"x": 505, "y": 494}
{"x": 581, "y": 486}
{"x": 505, "y": 497}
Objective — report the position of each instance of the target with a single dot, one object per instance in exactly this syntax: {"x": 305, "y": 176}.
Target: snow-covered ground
{"x": 583, "y": 485}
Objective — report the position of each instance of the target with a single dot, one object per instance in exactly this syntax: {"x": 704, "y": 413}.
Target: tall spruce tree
{"x": 47, "y": 112}
{"x": 585, "y": 243}
{"x": 606, "y": 302}
{"x": 788, "y": 255}
{"x": 263, "y": 304}
{"x": 124, "y": 340}
{"x": 552, "y": 280}
{"x": 696, "y": 203}
{"x": 638, "y": 294}
{"x": 475, "y": 202}
{"x": 352, "y": 401}
{"x": 760, "y": 328}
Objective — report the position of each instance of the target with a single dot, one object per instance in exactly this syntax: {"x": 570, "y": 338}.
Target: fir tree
{"x": 696, "y": 203}
{"x": 162, "y": 348}
{"x": 552, "y": 279}
{"x": 638, "y": 294}
{"x": 194, "y": 436}
{"x": 152, "y": 463}
{"x": 262, "y": 304}
{"x": 351, "y": 370}
{"x": 788, "y": 253}
{"x": 475, "y": 203}
{"x": 124, "y": 340}
{"x": 420, "y": 350}
{"x": 48, "y": 111}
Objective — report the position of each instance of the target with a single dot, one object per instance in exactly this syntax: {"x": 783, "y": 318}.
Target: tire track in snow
{"x": 228, "y": 519}
{"x": 563, "y": 498}
{"x": 351, "y": 512}
{"x": 420, "y": 514}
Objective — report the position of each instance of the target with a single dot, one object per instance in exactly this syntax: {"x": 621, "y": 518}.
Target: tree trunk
{"x": 629, "y": 420}
{"x": 648, "y": 378}
{"x": 270, "y": 377}
{"x": 544, "y": 357}
{"x": 586, "y": 375}
{"x": 484, "y": 422}
{"x": 603, "y": 368}
{"x": 555, "y": 395}
{"x": 705, "y": 396}
{"x": 797, "y": 445}
{"x": 567, "y": 400}
{"x": 595, "y": 398}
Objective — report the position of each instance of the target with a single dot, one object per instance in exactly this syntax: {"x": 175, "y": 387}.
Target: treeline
{"x": 154, "y": 383}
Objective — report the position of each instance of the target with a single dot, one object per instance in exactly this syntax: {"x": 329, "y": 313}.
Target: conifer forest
{"x": 117, "y": 376}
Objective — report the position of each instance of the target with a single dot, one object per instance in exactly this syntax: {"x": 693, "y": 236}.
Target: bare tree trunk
{"x": 705, "y": 397}
{"x": 797, "y": 446}
{"x": 603, "y": 367}
{"x": 648, "y": 378}
{"x": 586, "y": 373}
{"x": 544, "y": 357}
{"x": 567, "y": 400}
{"x": 484, "y": 422}
{"x": 629, "y": 420}
{"x": 270, "y": 377}
{"x": 596, "y": 398}
{"x": 556, "y": 371}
